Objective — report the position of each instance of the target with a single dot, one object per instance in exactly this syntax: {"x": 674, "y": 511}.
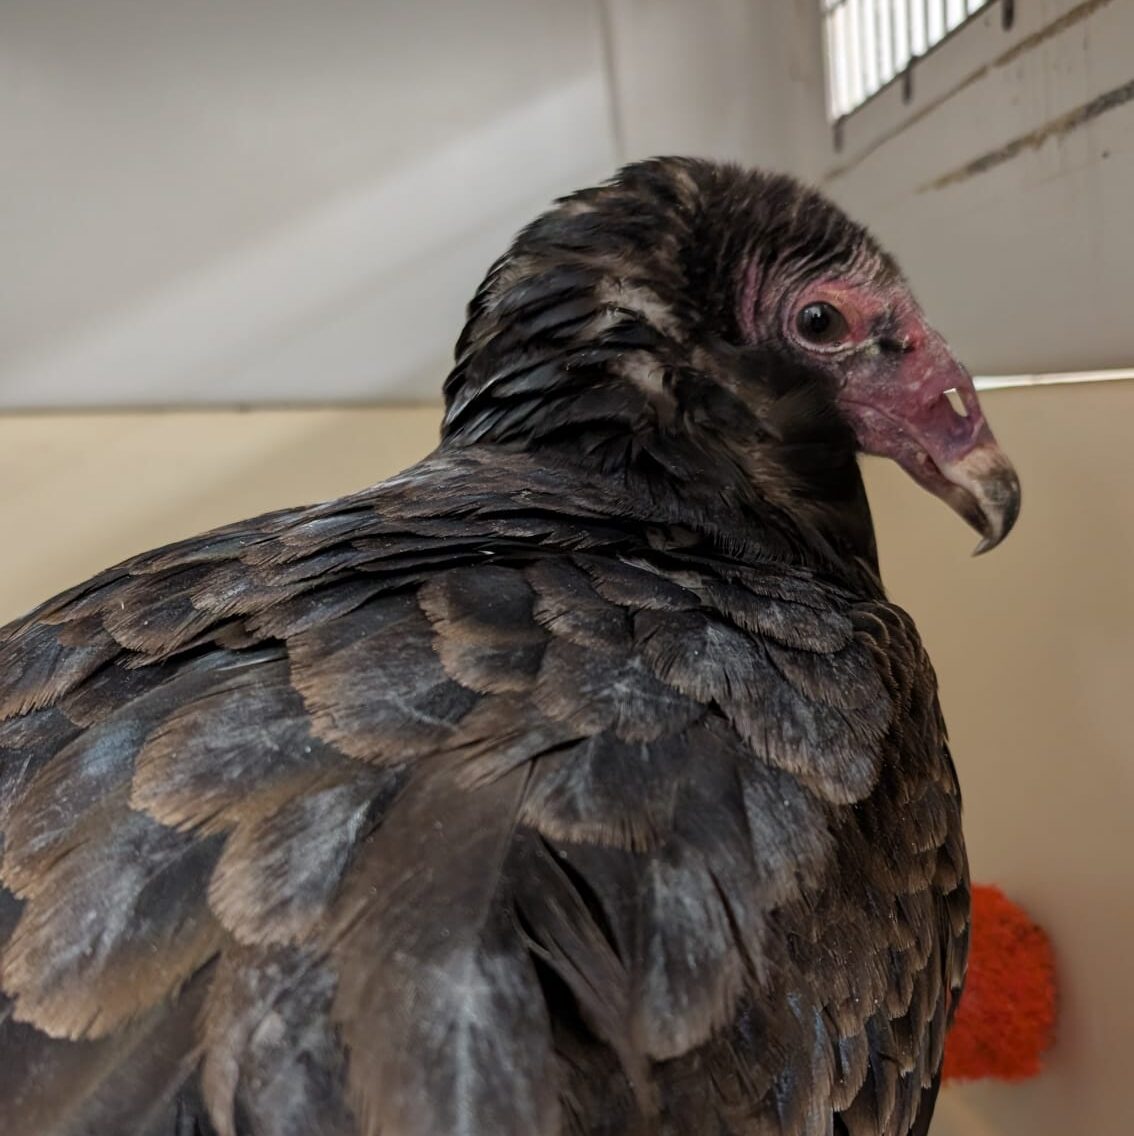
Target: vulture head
{"x": 711, "y": 326}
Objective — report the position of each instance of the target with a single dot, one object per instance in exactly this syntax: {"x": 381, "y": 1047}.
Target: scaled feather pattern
{"x": 578, "y": 781}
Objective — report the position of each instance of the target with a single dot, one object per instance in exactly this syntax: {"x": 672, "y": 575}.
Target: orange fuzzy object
{"x": 1006, "y": 1018}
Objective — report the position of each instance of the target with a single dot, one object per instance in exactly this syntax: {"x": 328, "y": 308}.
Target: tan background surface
{"x": 1033, "y": 645}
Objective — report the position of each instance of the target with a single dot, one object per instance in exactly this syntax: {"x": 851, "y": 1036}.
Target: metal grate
{"x": 870, "y": 42}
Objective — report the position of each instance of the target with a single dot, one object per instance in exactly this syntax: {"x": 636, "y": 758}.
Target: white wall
{"x": 1009, "y": 198}
{"x": 291, "y": 200}
{"x": 273, "y": 199}
{"x": 722, "y": 78}
{"x": 1026, "y": 265}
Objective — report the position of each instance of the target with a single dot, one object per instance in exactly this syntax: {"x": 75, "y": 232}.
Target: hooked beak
{"x": 951, "y": 453}
{"x": 981, "y": 486}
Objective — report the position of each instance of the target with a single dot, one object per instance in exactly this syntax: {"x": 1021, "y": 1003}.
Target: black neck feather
{"x": 584, "y": 347}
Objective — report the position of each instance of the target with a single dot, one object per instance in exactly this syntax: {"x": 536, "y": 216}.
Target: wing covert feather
{"x": 474, "y": 818}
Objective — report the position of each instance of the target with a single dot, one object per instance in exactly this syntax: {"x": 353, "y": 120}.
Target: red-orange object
{"x": 1006, "y": 1019}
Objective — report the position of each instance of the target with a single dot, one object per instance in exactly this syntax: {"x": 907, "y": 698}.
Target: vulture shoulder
{"x": 443, "y": 809}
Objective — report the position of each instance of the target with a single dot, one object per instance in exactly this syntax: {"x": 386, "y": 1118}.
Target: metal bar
{"x": 869, "y": 48}
{"x": 834, "y": 64}
{"x": 864, "y": 46}
{"x": 882, "y": 42}
{"x": 871, "y": 42}
{"x": 896, "y": 60}
{"x": 854, "y": 61}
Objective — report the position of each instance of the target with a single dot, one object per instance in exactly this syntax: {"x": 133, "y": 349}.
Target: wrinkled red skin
{"x": 895, "y": 373}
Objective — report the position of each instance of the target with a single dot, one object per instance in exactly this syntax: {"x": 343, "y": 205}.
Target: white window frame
{"x": 868, "y": 44}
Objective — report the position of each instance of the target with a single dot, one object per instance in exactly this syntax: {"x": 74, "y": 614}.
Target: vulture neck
{"x": 603, "y": 345}
{"x": 732, "y": 449}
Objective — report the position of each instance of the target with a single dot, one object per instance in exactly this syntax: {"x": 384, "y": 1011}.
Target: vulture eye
{"x": 821, "y": 323}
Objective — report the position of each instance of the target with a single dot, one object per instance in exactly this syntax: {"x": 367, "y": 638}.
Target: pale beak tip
{"x": 997, "y": 495}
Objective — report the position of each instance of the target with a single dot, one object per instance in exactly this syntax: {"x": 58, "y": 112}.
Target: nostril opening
{"x": 898, "y": 346}
{"x": 957, "y": 402}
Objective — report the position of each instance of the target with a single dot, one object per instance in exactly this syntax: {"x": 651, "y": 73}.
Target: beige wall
{"x": 1033, "y": 645}
{"x": 86, "y": 490}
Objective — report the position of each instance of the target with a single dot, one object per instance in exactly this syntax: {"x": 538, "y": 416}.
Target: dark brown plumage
{"x": 578, "y": 780}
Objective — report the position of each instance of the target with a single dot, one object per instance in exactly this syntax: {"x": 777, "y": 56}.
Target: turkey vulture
{"x": 578, "y": 780}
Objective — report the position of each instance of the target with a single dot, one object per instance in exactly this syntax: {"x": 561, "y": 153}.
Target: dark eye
{"x": 821, "y": 323}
